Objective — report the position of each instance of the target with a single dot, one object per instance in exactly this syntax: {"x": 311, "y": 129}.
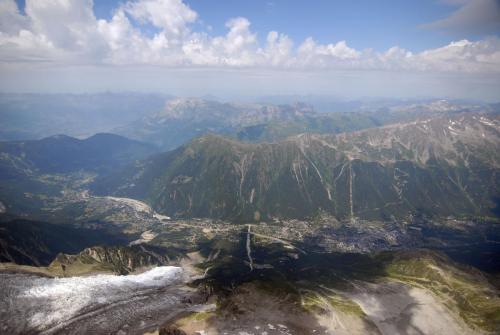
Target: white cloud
{"x": 339, "y": 55}
{"x": 69, "y": 25}
{"x": 11, "y": 21}
{"x": 463, "y": 56}
{"x": 278, "y": 51}
{"x": 173, "y": 16}
{"x": 237, "y": 48}
{"x": 67, "y": 32}
{"x": 125, "y": 43}
{"x": 239, "y": 38}
{"x": 339, "y": 50}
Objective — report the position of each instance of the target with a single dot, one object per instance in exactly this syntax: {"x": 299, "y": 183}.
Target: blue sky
{"x": 364, "y": 23}
{"x": 363, "y": 47}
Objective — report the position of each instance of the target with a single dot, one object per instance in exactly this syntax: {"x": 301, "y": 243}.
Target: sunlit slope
{"x": 437, "y": 167}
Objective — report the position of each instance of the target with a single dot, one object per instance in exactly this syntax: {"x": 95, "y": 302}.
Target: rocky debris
{"x": 171, "y": 331}
{"x": 122, "y": 260}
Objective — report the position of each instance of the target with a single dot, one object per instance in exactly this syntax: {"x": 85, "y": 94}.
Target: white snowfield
{"x": 46, "y": 303}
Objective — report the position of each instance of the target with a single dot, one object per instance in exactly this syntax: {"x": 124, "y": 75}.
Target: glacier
{"x": 51, "y": 305}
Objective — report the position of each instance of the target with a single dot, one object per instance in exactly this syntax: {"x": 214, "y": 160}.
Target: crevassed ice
{"x": 61, "y": 298}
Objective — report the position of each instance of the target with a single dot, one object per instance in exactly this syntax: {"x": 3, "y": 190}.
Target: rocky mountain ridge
{"x": 440, "y": 166}
{"x": 183, "y": 119}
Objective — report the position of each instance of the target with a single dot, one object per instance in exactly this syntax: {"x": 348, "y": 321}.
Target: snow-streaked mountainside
{"x": 450, "y": 138}
{"x": 44, "y": 304}
{"x": 442, "y": 166}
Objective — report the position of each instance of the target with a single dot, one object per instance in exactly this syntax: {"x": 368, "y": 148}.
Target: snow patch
{"x": 486, "y": 121}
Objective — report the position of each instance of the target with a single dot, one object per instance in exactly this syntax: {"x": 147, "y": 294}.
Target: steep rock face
{"x": 119, "y": 259}
{"x": 441, "y": 166}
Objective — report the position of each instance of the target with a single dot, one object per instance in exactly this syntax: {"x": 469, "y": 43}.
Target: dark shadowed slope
{"x": 38, "y": 243}
{"x": 31, "y": 170}
{"x": 63, "y": 154}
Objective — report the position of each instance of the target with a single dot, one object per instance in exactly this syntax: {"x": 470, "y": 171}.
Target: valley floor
{"x": 281, "y": 277}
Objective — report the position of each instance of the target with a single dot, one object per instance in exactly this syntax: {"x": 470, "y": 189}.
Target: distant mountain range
{"x": 168, "y": 122}
{"x": 64, "y": 154}
{"x": 439, "y": 166}
{"x": 183, "y": 119}
{"x": 35, "y": 116}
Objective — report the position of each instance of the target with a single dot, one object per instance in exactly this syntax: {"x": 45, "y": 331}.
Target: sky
{"x": 237, "y": 48}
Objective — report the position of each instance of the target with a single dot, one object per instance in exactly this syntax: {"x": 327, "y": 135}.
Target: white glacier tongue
{"x": 78, "y": 287}
{"x": 45, "y": 303}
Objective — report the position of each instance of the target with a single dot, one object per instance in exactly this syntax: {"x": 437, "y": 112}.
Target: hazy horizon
{"x": 288, "y": 98}
{"x": 431, "y": 48}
